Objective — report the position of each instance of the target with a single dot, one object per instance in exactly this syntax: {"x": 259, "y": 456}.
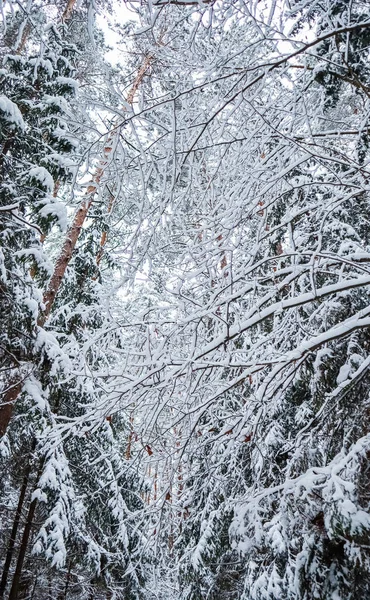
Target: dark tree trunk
{"x": 6, "y": 407}
{"x": 13, "y": 534}
{"x": 22, "y": 552}
{"x": 13, "y": 595}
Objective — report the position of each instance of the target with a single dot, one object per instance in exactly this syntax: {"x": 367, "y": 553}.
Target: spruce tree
{"x": 58, "y": 534}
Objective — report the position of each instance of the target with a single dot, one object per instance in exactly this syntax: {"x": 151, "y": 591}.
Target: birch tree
{"x": 252, "y": 226}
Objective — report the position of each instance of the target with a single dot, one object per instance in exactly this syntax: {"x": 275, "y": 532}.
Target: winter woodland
{"x": 184, "y": 299}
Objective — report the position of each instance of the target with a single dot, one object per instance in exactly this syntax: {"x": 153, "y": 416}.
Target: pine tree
{"x": 36, "y": 149}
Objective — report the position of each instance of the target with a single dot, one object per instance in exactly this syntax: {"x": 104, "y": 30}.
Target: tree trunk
{"x": 13, "y": 535}
{"x": 130, "y": 99}
{"x": 22, "y": 552}
{"x": 24, "y": 38}
{"x": 6, "y": 407}
{"x": 13, "y": 595}
{"x": 68, "y": 10}
{"x": 65, "y": 255}
{"x": 68, "y": 577}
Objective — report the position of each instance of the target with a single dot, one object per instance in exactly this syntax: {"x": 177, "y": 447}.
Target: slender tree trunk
{"x": 13, "y": 535}
{"x": 130, "y": 99}
{"x": 68, "y": 10}
{"x": 34, "y": 588}
{"x": 68, "y": 577}
{"x": 24, "y": 38}
{"x": 13, "y": 595}
{"x": 104, "y": 235}
{"x": 66, "y": 255}
{"x": 6, "y": 407}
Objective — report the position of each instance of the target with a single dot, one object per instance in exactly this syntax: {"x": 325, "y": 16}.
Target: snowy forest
{"x": 184, "y": 299}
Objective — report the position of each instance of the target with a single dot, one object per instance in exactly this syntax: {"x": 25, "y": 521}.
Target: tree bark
{"x": 22, "y": 552}
{"x": 130, "y": 99}
{"x": 13, "y": 595}
{"x": 65, "y": 255}
{"x": 68, "y": 10}
{"x": 24, "y": 38}
{"x": 6, "y": 407}
{"x": 13, "y": 535}
{"x": 27, "y": 29}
